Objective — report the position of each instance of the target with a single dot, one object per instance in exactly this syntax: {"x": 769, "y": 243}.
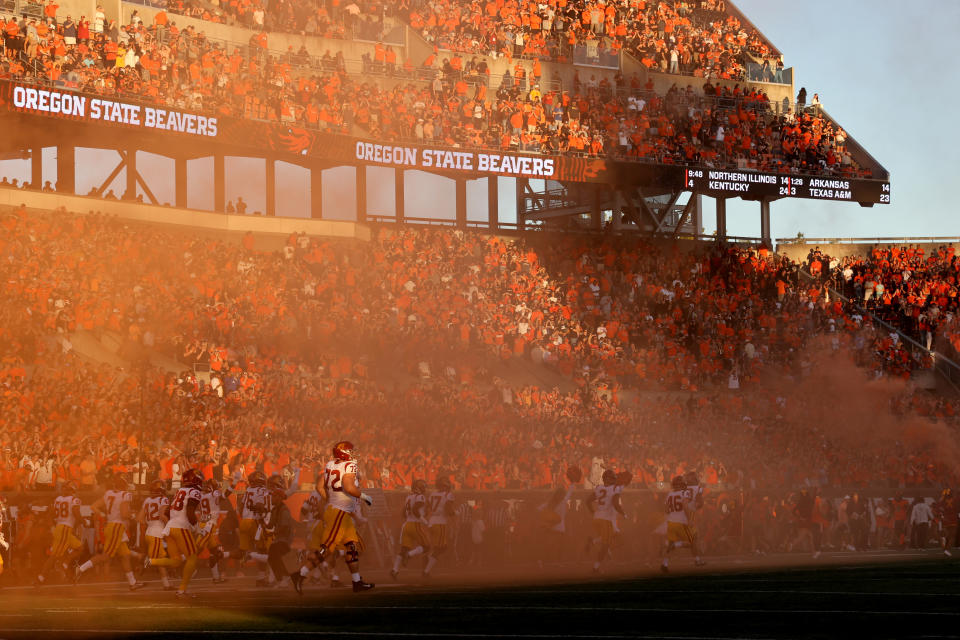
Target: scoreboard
{"x": 754, "y": 185}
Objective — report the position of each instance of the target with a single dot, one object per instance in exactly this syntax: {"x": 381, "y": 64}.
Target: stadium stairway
{"x": 110, "y": 348}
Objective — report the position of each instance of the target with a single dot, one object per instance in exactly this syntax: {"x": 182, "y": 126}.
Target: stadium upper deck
{"x": 446, "y": 114}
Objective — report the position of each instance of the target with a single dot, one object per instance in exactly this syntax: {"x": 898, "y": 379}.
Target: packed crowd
{"x": 697, "y": 38}
{"x": 396, "y": 341}
{"x": 903, "y": 285}
{"x": 721, "y": 126}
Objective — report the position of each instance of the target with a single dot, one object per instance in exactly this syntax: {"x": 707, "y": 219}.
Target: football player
{"x": 694, "y": 496}
{"x": 66, "y": 514}
{"x": 553, "y": 516}
{"x": 679, "y": 529}
{"x": 441, "y": 507}
{"x": 414, "y": 535}
{"x": 211, "y": 499}
{"x": 153, "y": 516}
{"x": 341, "y": 488}
{"x": 604, "y": 503}
{"x": 115, "y": 507}
{"x": 181, "y": 543}
{"x": 256, "y": 505}
{"x": 279, "y": 523}
{"x": 311, "y": 512}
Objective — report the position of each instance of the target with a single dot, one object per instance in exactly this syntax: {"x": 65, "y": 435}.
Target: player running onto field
{"x": 181, "y": 543}
{"x": 414, "y": 535}
{"x": 115, "y": 507}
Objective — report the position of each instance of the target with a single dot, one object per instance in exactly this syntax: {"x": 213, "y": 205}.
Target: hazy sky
{"x": 887, "y": 71}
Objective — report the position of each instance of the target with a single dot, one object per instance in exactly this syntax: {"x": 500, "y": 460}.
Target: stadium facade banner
{"x": 290, "y": 140}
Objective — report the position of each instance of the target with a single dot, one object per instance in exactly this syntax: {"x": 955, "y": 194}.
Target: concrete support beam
{"x": 316, "y": 192}
{"x": 66, "y": 169}
{"x": 131, "y": 189}
{"x": 36, "y": 168}
{"x": 461, "y": 203}
{"x": 765, "y": 223}
{"x": 721, "y": 219}
{"x": 219, "y": 184}
{"x": 493, "y": 203}
{"x": 399, "y": 195}
{"x": 180, "y": 182}
{"x": 361, "y": 193}
{"x": 271, "y": 192}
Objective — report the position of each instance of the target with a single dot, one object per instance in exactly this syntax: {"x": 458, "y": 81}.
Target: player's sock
{"x": 215, "y": 571}
{"x": 305, "y": 571}
{"x": 596, "y": 565}
{"x": 356, "y": 576}
{"x": 415, "y": 552}
{"x": 666, "y": 562}
{"x": 259, "y": 557}
{"x": 165, "y": 580}
{"x": 396, "y": 564}
{"x": 40, "y": 578}
{"x": 130, "y": 578}
{"x": 316, "y": 573}
{"x": 431, "y": 562}
{"x": 86, "y": 566}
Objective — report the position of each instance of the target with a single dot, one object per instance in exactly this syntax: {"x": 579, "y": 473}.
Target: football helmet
{"x": 609, "y": 477}
{"x": 690, "y": 477}
{"x": 158, "y": 488}
{"x": 210, "y": 485}
{"x": 70, "y": 488}
{"x": 574, "y": 474}
{"x": 192, "y": 478}
{"x": 419, "y": 486}
{"x": 279, "y": 494}
{"x": 344, "y": 450}
{"x": 678, "y": 483}
{"x": 624, "y": 478}
{"x": 276, "y": 482}
{"x": 443, "y": 483}
{"x": 257, "y": 479}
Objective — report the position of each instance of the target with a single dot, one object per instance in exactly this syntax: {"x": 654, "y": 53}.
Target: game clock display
{"x": 752, "y": 185}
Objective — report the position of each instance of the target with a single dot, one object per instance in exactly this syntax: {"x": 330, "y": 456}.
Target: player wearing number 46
{"x": 115, "y": 506}
{"x": 605, "y": 505}
{"x": 341, "y": 488}
{"x": 680, "y": 506}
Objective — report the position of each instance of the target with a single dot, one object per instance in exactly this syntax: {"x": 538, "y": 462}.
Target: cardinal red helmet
{"x": 158, "y": 488}
{"x": 257, "y": 479}
{"x": 609, "y": 477}
{"x": 443, "y": 483}
{"x": 678, "y": 483}
{"x": 344, "y": 450}
{"x": 192, "y": 478}
{"x": 70, "y": 488}
{"x": 210, "y": 485}
{"x": 276, "y": 482}
{"x": 419, "y": 486}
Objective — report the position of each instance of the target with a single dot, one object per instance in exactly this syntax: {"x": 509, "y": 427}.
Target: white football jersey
{"x": 675, "y": 504}
{"x": 153, "y": 510}
{"x": 178, "y": 508}
{"x": 438, "y": 501}
{"x": 114, "y": 499}
{"x": 313, "y": 506}
{"x": 692, "y": 493}
{"x": 256, "y": 503}
{"x": 63, "y": 510}
{"x": 333, "y": 476}
{"x": 210, "y": 505}
{"x": 603, "y": 499}
{"x": 410, "y": 508}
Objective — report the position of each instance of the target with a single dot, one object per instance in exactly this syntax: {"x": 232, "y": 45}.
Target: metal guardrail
{"x": 888, "y": 240}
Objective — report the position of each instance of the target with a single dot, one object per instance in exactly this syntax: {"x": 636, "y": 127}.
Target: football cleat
{"x": 219, "y": 580}
{"x": 185, "y": 594}
{"x": 664, "y": 568}
{"x": 335, "y": 583}
{"x": 136, "y": 586}
{"x": 297, "y": 581}
{"x": 360, "y": 585}
{"x": 394, "y": 574}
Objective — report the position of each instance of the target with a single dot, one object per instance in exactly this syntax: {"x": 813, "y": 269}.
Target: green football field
{"x": 867, "y": 595}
